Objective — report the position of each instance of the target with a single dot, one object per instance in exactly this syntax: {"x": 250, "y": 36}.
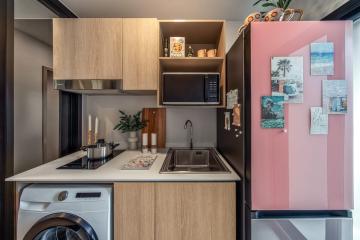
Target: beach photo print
{"x": 322, "y": 59}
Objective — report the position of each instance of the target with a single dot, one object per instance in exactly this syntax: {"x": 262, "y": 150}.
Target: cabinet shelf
{"x": 188, "y": 64}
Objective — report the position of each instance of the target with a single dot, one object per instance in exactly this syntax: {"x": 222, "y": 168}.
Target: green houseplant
{"x": 131, "y": 124}
{"x": 283, "y": 4}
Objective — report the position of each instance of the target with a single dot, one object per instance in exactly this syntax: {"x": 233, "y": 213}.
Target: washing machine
{"x": 65, "y": 212}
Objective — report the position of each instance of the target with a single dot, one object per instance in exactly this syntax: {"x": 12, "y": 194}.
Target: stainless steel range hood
{"x": 90, "y": 86}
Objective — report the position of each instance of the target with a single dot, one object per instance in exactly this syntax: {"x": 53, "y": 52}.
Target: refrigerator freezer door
{"x": 302, "y": 229}
{"x": 291, "y": 169}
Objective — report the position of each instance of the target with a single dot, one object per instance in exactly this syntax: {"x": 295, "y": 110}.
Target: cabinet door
{"x": 195, "y": 211}
{"x": 87, "y": 48}
{"x": 141, "y": 54}
{"x": 134, "y": 205}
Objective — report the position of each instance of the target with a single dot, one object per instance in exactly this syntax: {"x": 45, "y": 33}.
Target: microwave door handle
{"x": 206, "y": 88}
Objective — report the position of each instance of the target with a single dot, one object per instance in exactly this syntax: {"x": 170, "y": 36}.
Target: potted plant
{"x": 131, "y": 124}
{"x": 280, "y": 11}
{"x": 283, "y": 4}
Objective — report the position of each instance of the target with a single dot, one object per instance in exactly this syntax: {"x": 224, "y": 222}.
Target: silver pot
{"x": 100, "y": 150}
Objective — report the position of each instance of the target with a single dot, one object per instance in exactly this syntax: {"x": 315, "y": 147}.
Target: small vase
{"x": 132, "y": 139}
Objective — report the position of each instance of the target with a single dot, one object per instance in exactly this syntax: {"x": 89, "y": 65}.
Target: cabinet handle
{"x": 284, "y": 130}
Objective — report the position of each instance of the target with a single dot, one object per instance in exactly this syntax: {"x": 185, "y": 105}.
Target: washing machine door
{"x": 61, "y": 226}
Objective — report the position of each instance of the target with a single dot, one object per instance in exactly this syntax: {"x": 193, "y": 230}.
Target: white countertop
{"x": 112, "y": 172}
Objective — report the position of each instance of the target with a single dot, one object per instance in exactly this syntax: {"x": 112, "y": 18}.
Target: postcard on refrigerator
{"x": 227, "y": 121}
{"x": 322, "y": 59}
{"x": 319, "y": 121}
{"x": 334, "y": 96}
{"x": 232, "y": 98}
{"x": 287, "y": 78}
{"x": 272, "y": 112}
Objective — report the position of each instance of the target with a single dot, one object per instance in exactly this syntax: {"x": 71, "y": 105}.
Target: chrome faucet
{"x": 188, "y": 122}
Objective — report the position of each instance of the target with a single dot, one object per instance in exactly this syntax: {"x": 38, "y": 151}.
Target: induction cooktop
{"x": 90, "y": 164}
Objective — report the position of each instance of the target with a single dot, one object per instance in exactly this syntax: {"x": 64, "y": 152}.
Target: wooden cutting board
{"x": 156, "y": 118}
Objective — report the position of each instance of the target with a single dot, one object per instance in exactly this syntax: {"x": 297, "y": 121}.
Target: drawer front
{"x": 302, "y": 229}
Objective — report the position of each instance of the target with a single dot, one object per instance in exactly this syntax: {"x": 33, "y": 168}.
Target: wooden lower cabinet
{"x": 175, "y": 211}
{"x": 134, "y": 211}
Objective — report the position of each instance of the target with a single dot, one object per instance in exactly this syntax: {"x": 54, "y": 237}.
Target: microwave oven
{"x": 191, "y": 88}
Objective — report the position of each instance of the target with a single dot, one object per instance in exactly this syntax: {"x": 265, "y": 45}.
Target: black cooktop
{"x": 85, "y": 163}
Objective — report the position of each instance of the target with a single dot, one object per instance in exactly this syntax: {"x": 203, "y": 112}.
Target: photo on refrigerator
{"x": 272, "y": 112}
{"x": 287, "y": 78}
{"x": 335, "y": 96}
{"x": 322, "y": 59}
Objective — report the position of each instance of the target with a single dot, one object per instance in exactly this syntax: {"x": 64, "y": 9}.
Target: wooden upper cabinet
{"x": 87, "y": 48}
{"x": 140, "y": 53}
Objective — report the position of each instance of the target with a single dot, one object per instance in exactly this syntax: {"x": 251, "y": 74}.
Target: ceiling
{"x": 40, "y": 29}
{"x": 31, "y": 15}
{"x": 233, "y": 10}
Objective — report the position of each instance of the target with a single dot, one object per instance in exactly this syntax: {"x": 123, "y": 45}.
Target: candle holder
{"x": 153, "y": 143}
{"x": 145, "y": 146}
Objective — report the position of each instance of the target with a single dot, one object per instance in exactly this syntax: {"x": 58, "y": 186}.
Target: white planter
{"x": 133, "y": 140}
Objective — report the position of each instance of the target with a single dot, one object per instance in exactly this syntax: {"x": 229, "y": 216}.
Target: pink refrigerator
{"x": 293, "y": 147}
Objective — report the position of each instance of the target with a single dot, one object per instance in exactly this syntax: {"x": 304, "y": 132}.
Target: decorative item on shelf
{"x": 177, "y": 47}
{"x": 190, "y": 51}
{"x": 166, "y": 47}
{"x": 153, "y": 143}
{"x": 131, "y": 124}
{"x": 201, "y": 53}
{"x": 145, "y": 145}
{"x": 211, "y": 53}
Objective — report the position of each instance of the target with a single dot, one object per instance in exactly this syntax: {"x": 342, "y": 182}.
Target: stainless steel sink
{"x": 197, "y": 160}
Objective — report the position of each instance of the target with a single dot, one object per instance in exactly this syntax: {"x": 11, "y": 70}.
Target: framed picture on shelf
{"x": 177, "y": 47}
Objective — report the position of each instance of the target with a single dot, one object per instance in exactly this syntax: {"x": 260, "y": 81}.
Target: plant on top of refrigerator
{"x": 283, "y": 4}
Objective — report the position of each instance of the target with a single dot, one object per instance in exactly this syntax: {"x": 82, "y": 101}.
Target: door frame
{"x": 7, "y": 203}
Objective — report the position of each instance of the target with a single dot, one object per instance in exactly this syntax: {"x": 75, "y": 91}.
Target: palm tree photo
{"x": 284, "y": 66}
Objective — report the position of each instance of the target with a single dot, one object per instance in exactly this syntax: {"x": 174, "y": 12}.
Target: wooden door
{"x": 195, "y": 211}
{"x": 134, "y": 206}
{"x": 140, "y": 53}
{"x": 87, "y": 48}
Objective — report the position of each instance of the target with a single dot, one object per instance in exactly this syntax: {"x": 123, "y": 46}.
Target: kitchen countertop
{"x": 112, "y": 172}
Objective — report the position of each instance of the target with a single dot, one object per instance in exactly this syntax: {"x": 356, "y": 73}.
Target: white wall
{"x": 232, "y": 29}
{"x": 29, "y": 57}
{"x": 107, "y": 107}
